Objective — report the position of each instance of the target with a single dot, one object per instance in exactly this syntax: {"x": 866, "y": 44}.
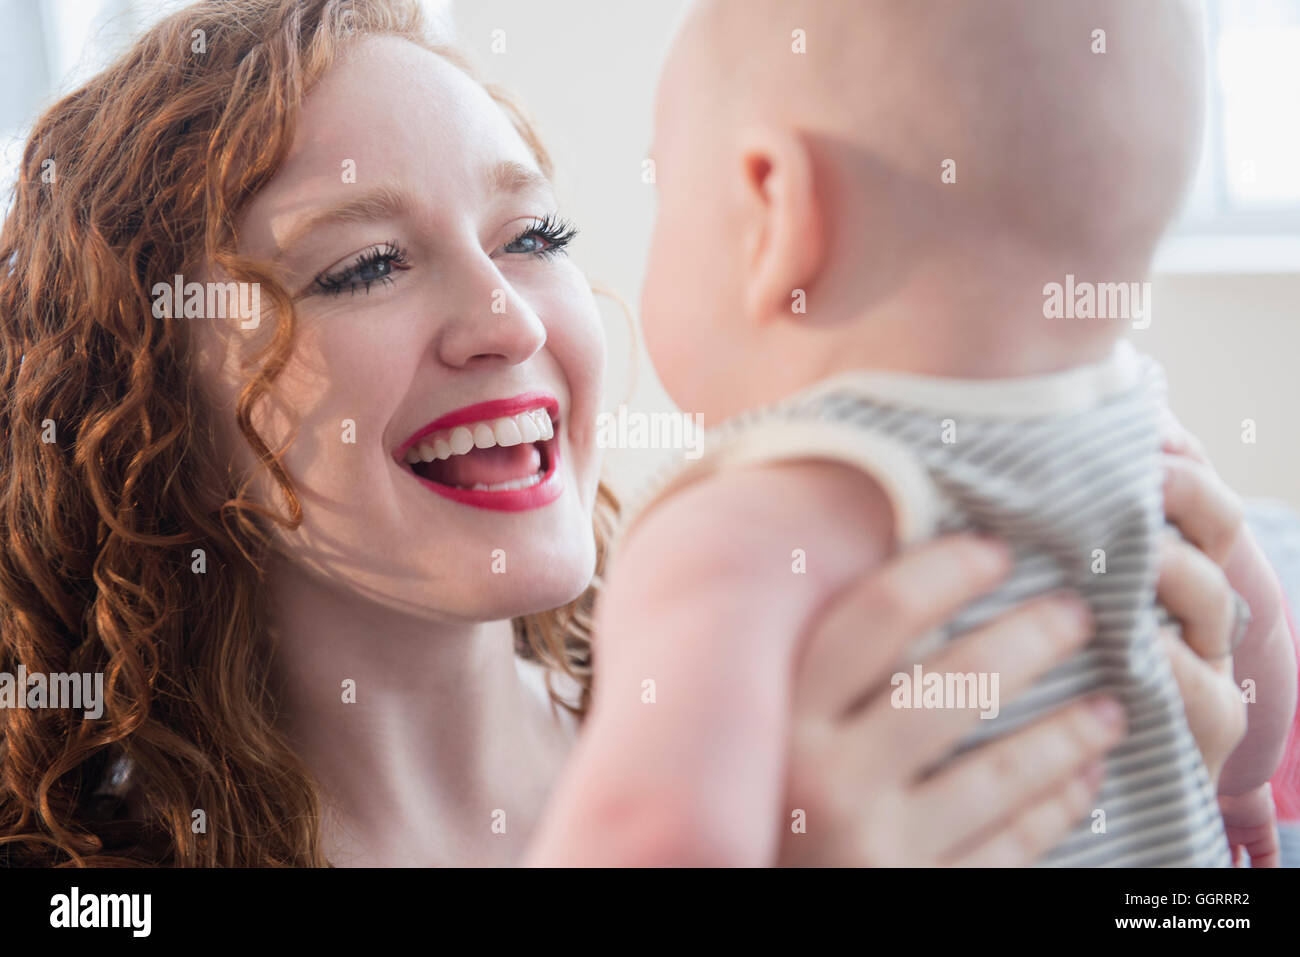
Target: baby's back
{"x": 1066, "y": 468}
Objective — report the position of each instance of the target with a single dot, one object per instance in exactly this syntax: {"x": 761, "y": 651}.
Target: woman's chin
{"x": 557, "y": 590}
{"x": 513, "y": 594}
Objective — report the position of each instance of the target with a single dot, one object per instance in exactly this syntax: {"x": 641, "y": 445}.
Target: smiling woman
{"x": 458, "y": 296}
{"x": 211, "y": 699}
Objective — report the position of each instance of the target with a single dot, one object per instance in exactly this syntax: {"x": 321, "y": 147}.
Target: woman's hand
{"x": 1196, "y": 592}
{"x": 1195, "y": 586}
{"x": 856, "y": 762}
{"x": 858, "y": 766}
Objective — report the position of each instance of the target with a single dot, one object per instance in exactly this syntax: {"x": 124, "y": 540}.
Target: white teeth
{"x": 526, "y": 427}
{"x": 510, "y": 486}
{"x": 461, "y": 440}
{"x": 507, "y": 432}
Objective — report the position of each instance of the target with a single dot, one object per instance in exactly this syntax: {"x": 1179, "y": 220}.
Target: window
{"x": 1243, "y": 213}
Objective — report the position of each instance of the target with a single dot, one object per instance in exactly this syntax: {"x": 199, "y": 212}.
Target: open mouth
{"x": 504, "y": 459}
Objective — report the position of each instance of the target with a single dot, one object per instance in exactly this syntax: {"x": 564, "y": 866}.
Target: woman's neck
{"x": 429, "y": 746}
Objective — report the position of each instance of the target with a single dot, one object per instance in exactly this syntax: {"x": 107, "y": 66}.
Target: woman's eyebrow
{"x": 511, "y": 177}
{"x": 381, "y": 202}
{"x": 387, "y": 202}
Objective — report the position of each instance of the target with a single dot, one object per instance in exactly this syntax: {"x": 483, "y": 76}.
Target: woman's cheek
{"x": 576, "y": 338}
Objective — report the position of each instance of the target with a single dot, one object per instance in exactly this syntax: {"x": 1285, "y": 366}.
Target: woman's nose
{"x": 496, "y": 323}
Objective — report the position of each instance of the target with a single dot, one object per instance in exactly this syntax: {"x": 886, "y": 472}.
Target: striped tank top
{"x": 1066, "y": 469}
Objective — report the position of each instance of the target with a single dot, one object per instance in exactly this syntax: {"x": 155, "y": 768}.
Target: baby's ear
{"x": 784, "y": 225}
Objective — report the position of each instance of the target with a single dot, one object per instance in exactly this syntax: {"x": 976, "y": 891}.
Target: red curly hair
{"x": 153, "y": 161}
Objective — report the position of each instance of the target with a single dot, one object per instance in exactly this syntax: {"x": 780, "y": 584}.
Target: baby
{"x": 872, "y": 215}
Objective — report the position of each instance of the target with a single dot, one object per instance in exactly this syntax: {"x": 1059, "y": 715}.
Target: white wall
{"x": 1231, "y": 347}
{"x": 586, "y": 70}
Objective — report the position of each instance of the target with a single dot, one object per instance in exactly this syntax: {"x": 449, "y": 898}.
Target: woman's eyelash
{"x": 376, "y": 264}
{"x": 555, "y": 233}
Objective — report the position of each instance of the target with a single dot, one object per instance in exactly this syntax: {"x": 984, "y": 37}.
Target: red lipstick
{"x": 547, "y": 490}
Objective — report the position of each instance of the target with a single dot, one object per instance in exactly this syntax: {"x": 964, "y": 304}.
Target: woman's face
{"x": 413, "y": 226}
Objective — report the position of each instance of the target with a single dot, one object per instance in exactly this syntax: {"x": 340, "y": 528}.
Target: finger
{"x": 1017, "y": 648}
{"x": 868, "y": 624}
{"x": 1205, "y": 509}
{"x": 999, "y": 779}
{"x": 1196, "y": 592}
{"x": 1178, "y": 441}
{"x": 1216, "y": 715}
{"x": 1250, "y": 820}
{"x": 1024, "y": 838}
{"x": 1021, "y": 644}
{"x": 1265, "y": 849}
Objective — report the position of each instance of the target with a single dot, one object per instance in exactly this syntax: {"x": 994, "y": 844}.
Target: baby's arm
{"x": 706, "y": 601}
{"x": 1210, "y": 514}
{"x": 1267, "y": 658}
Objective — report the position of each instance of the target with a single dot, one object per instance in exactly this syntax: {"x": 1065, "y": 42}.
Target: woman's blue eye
{"x": 529, "y": 243}
{"x": 373, "y": 265}
{"x": 372, "y": 271}
{"x": 545, "y": 237}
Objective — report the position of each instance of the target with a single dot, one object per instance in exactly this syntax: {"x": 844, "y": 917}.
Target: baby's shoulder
{"x": 766, "y": 522}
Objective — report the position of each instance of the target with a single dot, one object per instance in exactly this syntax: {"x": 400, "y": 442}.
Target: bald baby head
{"x": 1071, "y": 127}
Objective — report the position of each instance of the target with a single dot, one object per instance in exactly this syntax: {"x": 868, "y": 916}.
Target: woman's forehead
{"x": 402, "y": 108}
{"x": 392, "y": 118}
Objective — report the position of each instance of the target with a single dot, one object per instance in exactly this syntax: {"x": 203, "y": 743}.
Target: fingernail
{"x": 1074, "y": 615}
{"x": 1108, "y": 712}
{"x": 994, "y": 551}
{"x": 1093, "y": 774}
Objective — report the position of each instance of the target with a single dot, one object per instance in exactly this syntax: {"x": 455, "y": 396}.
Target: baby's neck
{"x": 986, "y": 351}
{"x": 993, "y": 335}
